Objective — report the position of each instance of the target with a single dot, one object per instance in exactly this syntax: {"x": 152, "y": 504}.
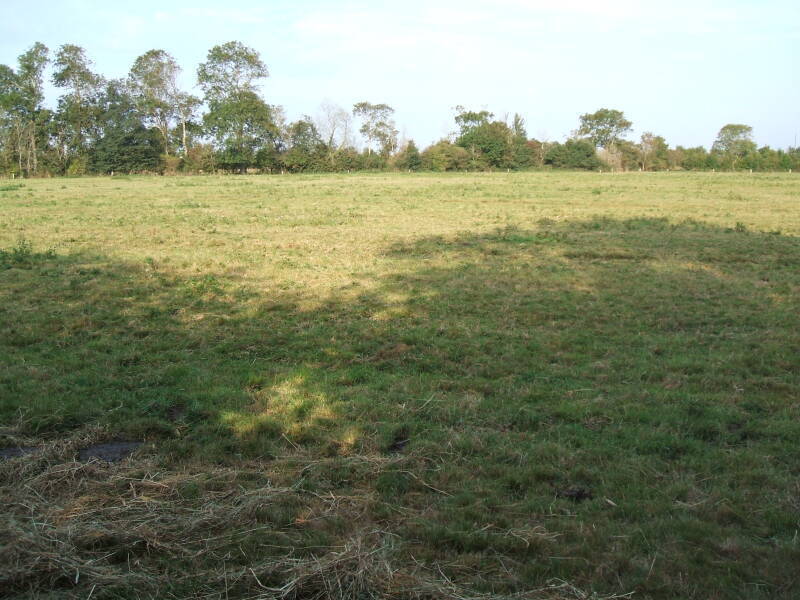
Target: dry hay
{"x": 91, "y": 529}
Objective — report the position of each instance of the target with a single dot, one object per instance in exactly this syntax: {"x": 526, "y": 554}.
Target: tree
{"x": 489, "y": 143}
{"x": 444, "y": 156}
{"x": 242, "y": 125}
{"x": 538, "y": 151}
{"x": 186, "y": 106}
{"x": 307, "y": 150}
{"x": 124, "y": 145}
{"x": 689, "y": 159}
{"x": 72, "y": 71}
{"x": 21, "y": 97}
{"x": 76, "y": 118}
{"x": 240, "y": 121}
{"x": 409, "y": 159}
{"x": 623, "y": 155}
{"x": 230, "y": 69}
{"x": 652, "y": 152}
{"x": 522, "y": 155}
{"x": 792, "y": 159}
{"x": 10, "y": 121}
{"x": 573, "y": 154}
{"x": 153, "y": 82}
{"x": 335, "y": 125}
{"x": 604, "y": 127}
{"x": 159, "y": 98}
{"x": 377, "y": 126}
{"x": 734, "y": 141}
{"x": 469, "y": 120}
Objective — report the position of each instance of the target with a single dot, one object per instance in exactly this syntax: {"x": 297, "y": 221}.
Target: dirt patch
{"x": 400, "y": 440}
{"x": 575, "y": 493}
{"x": 176, "y": 412}
{"x": 109, "y": 452}
{"x": 16, "y": 451}
{"x": 392, "y": 352}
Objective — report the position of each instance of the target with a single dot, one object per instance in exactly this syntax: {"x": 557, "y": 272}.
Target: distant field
{"x": 402, "y": 386}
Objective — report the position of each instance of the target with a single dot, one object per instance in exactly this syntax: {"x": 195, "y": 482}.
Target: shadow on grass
{"x": 653, "y": 366}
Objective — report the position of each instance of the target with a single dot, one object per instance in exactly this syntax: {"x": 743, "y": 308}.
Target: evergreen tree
{"x": 124, "y": 145}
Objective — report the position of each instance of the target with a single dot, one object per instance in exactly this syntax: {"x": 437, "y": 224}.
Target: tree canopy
{"x": 377, "y": 126}
{"x": 604, "y": 127}
{"x": 734, "y": 142}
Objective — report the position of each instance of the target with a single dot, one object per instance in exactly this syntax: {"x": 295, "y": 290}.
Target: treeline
{"x": 147, "y": 123}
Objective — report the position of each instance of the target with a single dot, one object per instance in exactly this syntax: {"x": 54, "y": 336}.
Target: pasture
{"x": 402, "y": 386}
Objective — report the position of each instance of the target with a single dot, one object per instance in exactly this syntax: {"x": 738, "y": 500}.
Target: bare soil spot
{"x": 16, "y": 451}
{"x": 176, "y": 412}
{"x": 575, "y": 493}
{"x": 109, "y": 452}
{"x": 400, "y": 440}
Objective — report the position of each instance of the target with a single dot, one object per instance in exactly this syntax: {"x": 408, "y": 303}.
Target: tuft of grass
{"x": 22, "y": 255}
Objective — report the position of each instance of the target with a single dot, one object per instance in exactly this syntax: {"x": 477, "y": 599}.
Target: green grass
{"x": 404, "y": 385}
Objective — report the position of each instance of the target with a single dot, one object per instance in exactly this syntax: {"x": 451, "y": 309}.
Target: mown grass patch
{"x": 511, "y": 385}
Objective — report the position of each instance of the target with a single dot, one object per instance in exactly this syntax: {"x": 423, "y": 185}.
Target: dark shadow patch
{"x": 400, "y": 440}
{"x": 16, "y": 451}
{"x": 176, "y": 412}
{"x": 109, "y": 452}
{"x": 576, "y": 493}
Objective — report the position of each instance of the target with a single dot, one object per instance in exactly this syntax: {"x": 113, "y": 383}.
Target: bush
{"x": 172, "y": 164}
{"x": 78, "y": 166}
{"x": 199, "y": 159}
{"x": 573, "y": 154}
{"x": 444, "y": 156}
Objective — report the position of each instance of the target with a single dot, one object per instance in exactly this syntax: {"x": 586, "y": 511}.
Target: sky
{"x": 680, "y": 69}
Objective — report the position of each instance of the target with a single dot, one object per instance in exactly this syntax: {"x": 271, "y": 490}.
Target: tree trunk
{"x": 183, "y": 126}
{"x": 33, "y": 147}
{"x": 165, "y": 134}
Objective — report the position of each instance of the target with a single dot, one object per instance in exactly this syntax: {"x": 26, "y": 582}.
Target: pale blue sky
{"x": 681, "y": 69}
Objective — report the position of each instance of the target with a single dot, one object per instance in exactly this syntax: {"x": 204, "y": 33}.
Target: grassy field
{"x": 546, "y": 385}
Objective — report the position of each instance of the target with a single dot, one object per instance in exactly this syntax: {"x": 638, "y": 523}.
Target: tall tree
{"x": 124, "y": 144}
{"x": 230, "y": 69}
{"x": 72, "y": 72}
{"x": 186, "y": 106}
{"x": 468, "y": 120}
{"x": 377, "y": 126}
{"x": 604, "y": 127}
{"x": 307, "y": 150}
{"x": 734, "y": 141}
{"x": 76, "y": 118}
{"x": 8, "y": 120}
{"x": 521, "y": 153}
{"x": 153, "y": 83}
{"x": 490, "y": 144}
{"x": 409, "y": 157}
{"x": 652, "y": 152}
{"x": 21, "y": 97}
{"x": 335, "y": 125}
{"x": 240, "y": 121}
